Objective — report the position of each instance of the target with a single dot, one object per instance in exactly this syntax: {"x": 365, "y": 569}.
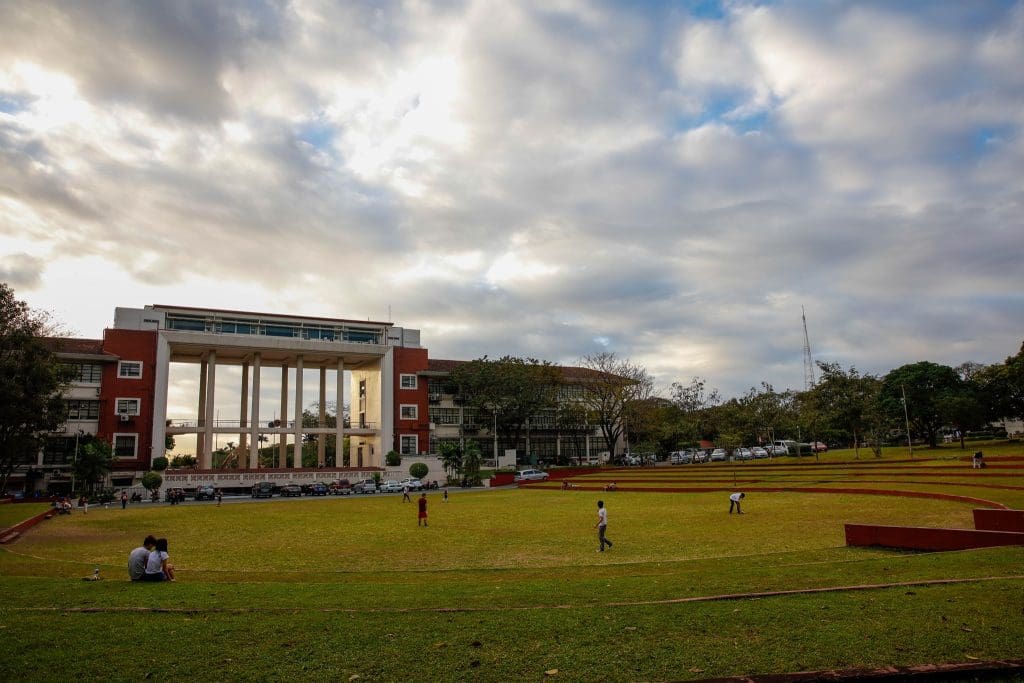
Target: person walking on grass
{"x": 421, "y": 519}
{"x": 602, "y": 525}
{"x": 734, "y": 500}
{"x": 405, "y": 494}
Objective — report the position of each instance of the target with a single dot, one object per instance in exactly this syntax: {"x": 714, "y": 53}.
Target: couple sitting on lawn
{"x": 150, "y": 561}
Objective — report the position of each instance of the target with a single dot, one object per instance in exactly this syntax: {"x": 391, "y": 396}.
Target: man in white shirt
{"x": 138, "y": 557}
{"x": 734, "y": 500}
{"x": 602, "y": 525}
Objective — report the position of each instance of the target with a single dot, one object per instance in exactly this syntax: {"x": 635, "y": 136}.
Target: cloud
{"x": 21, "y": 271}
{"x": 543, "y": 179}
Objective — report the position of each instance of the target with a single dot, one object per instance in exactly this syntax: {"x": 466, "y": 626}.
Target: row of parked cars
{"x": 774, "y": 449}
{"x": 341, "y": 487}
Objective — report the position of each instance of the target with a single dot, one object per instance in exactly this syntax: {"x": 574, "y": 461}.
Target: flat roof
{"x": 191, "y": 309}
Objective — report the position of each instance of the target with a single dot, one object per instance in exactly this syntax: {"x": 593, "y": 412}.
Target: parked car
{"x": 365, "y": 486}
{"x": 291, "y": 491}
{"x": 776, "y": 449}
{"x": 411, "y": 483}
{"x": 206, "y": 492}
{"x": 531, "y": 475}
{"x": 742, "y": 453}
{"x": 176, "y": 494}
{"x": 818, "y": 447}
{"x": 317, "y": 488}
{"x": 342, "y": 487}
{"x": 700, "y": 456}
{"x": 758, "y": 453}
{"x": 390, "y": 486}
{"x": 718, "y": 455}
{"x": 678, "y": 458}
{"x": 263, "y": 489}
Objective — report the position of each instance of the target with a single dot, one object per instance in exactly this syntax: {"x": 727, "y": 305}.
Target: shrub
{"x": 393, "y": 459}
{"x": 151, "y": 481}
{"x": 160, "y": 464}
{"x": 418, "y": 470}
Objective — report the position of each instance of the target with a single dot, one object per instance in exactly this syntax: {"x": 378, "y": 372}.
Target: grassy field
{"x": 507, "y": 584}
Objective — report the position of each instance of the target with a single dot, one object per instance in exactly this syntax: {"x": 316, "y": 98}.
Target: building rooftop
{"x": 256, "y": 314}
{"x": 569, "y": 373}
{"x": 81, "y": 347}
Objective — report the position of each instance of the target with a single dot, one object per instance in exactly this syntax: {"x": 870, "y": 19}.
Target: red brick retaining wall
{"x": 999, "y": 520}
{"x": 924, "y": 538}
{"x": 12, "y": 533}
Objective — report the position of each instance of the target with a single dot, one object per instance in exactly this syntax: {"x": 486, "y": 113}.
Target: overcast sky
{"x": 668, "y": 180}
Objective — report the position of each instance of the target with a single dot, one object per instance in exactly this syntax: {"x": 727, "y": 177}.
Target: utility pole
{"x": 809, "y": 380}
{"x": 906, "y": 416}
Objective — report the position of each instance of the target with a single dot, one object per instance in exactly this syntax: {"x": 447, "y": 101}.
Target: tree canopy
{"x": 31, "y": 379}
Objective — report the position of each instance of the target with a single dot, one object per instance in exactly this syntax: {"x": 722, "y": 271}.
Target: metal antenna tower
{"x": 808, "y": 361}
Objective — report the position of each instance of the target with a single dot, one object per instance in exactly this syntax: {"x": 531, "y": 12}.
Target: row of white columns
{"x": 249, "y": 429}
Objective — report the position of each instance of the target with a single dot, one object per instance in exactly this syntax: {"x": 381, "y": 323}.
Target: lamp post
{"x": 906, "y": 416}
{"x": 74, "y": 461}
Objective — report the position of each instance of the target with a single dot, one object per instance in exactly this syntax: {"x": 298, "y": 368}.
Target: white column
{"x": 254, "y": 425}
{"x": 243, "y": 433}
{"x": 297, "y": 454}
{"x": 201, "y": 413}
{"x": 211, "y": 388}
{"x": 321, "y": 439}
{"x": 282, "y": 453}
{"x": 339, "y": 432}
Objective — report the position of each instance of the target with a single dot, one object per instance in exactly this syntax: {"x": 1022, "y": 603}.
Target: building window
{"x": 83, "y": 409}
{"x": 59, "y": 450}
{"x": 130, "y": 369}
{"x": 126, "y": 445}
{"x": 444, "y": 416}
{"x": 407, "y": 381}
{"x": 127, "y": 406}
{"x": 409, "y": 444}
{"x": 85, "y": 373}
{"x": 409, "y": 411}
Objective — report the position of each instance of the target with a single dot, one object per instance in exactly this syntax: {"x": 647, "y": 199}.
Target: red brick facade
{"x": 411, "y": 362}
{"x": 130, "y": 346}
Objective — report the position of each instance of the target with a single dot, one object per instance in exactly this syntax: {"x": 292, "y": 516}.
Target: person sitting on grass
{"x": 137, "y": 559}
{"x": 158, "y": 566}
{"x": 611, "y": 486}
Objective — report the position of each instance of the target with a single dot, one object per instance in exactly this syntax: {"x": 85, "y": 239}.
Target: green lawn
{"x": 506, "y": 585}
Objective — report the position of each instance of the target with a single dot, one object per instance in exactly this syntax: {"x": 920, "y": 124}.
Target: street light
{"x": 906, "y": 416}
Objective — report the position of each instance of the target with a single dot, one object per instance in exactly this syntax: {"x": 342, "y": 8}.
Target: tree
{"x": 844, "y": 399}
{"x": 1002, "y": 386}
{"x": 418, "y": 470}
{"x": 393, "y": 458}
{"x": 616, "y": 384}
{"x": 160, "y": 464}
{"x": 927, "y": 386}
{"x": 31, "y": 379}
{"x": 451, "y": 457}
{"x": 508, "y": 391}
{"x": 697, "y": 403}
{"x": 151, "y": 481}
{"x": 471, "y": 460}
{"x": 183, "y": 462}
{"x": 94, "y": 462}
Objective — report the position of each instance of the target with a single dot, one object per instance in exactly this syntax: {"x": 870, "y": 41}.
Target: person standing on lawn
{"x": 422, "y": 504}
{"x": 602, "y": 525}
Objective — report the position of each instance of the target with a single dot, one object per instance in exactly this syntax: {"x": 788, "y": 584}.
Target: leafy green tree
{"x": 471, "y": 461}
{"x": 508, "y": 391}
{"x": 183, "y": 462}
{"x": 393, "y": 458}
{"x": 964, "y": 410}
{"x": 696, "y": 403}
{"x": 615, "y": 385}
{"x": 845, "y": 398}
{"x": 451, "y": 457}
{"x": 31, "y": 379}
{"x": 928, "y": 388}
{"x": 160, "y": 464}
{"x": 418, "y": 470}
{"x": 1002, "y": 387}
{"x": 94, "y": 462}
{"x": 151, "y": 481}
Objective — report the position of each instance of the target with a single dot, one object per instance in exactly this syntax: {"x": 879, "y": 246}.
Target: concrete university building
{"x": 398, "y": 398}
